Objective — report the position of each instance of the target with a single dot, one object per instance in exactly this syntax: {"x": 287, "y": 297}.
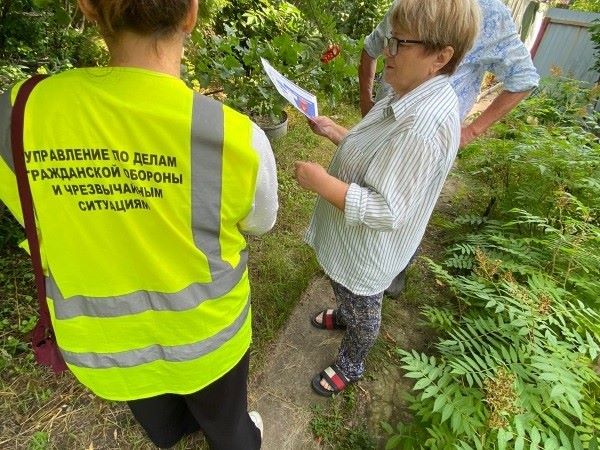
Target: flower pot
{"x": 274, "y": 131}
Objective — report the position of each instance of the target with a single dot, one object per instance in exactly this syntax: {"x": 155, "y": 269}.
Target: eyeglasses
{"x": 393, "y": 43}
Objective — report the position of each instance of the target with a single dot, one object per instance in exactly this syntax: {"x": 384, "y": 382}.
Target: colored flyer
{"x": 302, "y": 100}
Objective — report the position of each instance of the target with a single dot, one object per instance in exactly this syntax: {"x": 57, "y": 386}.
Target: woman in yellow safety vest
{"x": 142, "y": 190}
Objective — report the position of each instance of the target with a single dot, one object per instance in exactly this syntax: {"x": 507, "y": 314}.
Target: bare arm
{"x": 324, "y": 126}
{"x": 366, "y": 75}
{"x": 372, "y": 49}
{"x": 315, "y": 178}
{"x": 502, "y": 105}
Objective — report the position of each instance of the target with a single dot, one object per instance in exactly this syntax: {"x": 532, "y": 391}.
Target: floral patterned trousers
{"x": 361, "y": 314}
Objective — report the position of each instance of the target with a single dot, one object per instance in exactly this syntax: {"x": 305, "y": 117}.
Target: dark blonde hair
{"x": 439, "y": 23}
{"x": 145, "y": 17}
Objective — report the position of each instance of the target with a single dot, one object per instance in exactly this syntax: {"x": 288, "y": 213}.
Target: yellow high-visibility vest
{"x": 138, "y": 185}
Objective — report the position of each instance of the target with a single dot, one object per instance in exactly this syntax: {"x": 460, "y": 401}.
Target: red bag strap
{"x": 18, "y": 152}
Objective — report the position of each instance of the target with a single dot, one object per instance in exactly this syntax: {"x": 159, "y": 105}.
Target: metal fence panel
{"x": 564, "y": 43}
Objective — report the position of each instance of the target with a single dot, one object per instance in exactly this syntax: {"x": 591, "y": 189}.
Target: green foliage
{"x": 440, "y": 319}
{"x": 355, "y": 19}
{"x": 39, "y": 441}
{"x": 515, "y": 365}
{"x": 264, "y": 19}
{"x": 551, "y": 141}
{"x": 18, "y": 312}
{"x": 44, "y": 36}
{"x": 586, "y": 5}
{"x": 333, "y": 428}
{"x": 231, "y": 63}
{"x": 224, "y": 52}
{"x": 11, "y": 233}
{"x": 595, "y": 37}
{"x": 228, "y": 58}
{"x": 209, "y": 11}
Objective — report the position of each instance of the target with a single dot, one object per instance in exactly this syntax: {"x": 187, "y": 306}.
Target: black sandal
{"x": 336, "y": 379}
{"x": 328, "y": 321}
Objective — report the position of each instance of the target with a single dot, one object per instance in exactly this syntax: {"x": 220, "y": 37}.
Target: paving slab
{"x": 281, "y": 392}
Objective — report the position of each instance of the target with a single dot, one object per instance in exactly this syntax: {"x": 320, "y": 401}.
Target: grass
{"x": 340, "y": 426}
{"x": 41, "y": 411}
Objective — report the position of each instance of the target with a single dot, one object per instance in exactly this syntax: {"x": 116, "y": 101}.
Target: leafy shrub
{"x": 209, "y": 11}
{"x": 595, "y": 37}
{"x": 515, "y": 367}
{"x": 545, "y": 146}
{"x": 355, "y": 19}
{"x": 586, "y": 5}
{"x": 231, "y": 64}
{"x": 46, "y": 36}
{"x": 11, "y": 233}
{"x": 263, "y": 19}
{"x": 10, "y": 74}
{"x": 229, "y": 60}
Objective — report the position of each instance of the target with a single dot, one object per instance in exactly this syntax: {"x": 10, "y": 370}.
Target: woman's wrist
{"x": 333, "y": 190}
{"x": 321, "y": 183}
{"x": 337, "y": 134}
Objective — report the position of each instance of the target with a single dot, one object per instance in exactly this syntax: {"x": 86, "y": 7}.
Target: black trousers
{"x": 219, "y": 410}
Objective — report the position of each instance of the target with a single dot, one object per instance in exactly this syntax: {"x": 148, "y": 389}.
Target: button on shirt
{"x": 395, "y": 161}
{"x": 498, "y": 50}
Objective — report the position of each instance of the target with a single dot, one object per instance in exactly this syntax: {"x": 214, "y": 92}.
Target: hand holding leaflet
{"x": 302, "y": 100}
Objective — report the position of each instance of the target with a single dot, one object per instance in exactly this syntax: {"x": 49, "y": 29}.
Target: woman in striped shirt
{"x": 386, "y": 175}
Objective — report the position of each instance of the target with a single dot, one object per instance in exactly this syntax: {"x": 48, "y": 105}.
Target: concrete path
{"x": 282, "y": 392}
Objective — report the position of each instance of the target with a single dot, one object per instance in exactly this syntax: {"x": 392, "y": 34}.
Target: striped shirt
{"x": 395, "y": 161}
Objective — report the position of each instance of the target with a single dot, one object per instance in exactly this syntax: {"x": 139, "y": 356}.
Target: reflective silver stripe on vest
{"x": 207, "y": 137}
{"x": 179, "y": 353}
{"x": 5, "y": 146}
{"x": 141, "y": 301}
{"x": 208, "y": 134}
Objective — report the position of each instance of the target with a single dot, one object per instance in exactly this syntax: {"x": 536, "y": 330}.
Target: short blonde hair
{"x": 439, "y": 23}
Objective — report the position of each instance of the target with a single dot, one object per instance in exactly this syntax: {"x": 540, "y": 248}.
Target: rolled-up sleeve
{"x": 264, "y": 209}
{"x": 395, "y": 182}
{"x": 512, "y": 62}
{"x": 374, "y": 42}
